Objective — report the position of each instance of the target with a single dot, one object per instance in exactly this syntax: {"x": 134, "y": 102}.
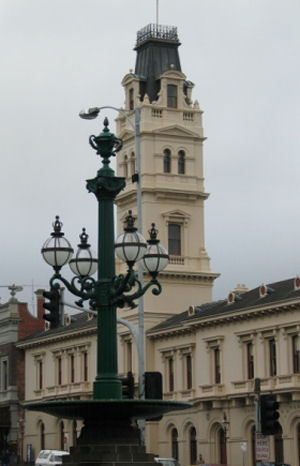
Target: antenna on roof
{"x": 157, "y": 11}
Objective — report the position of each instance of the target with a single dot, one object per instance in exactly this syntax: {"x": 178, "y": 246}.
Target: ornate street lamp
{"x": 108, "y": 291}
{"x": 84, "y": 263}
{"x": 57, "y": 250}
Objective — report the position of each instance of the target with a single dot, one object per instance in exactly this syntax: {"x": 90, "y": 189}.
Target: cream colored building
{"x": 60, "y": 363}
{"x": 210, "y": 354}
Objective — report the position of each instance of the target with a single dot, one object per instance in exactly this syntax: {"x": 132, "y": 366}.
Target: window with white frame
{"x": 169, "y": 360}
{"x": 272, "y": 357}
{"x": 39, "y": 369}
{"x": 296, "y": 353}
{"x": 71, "y": 360}
{"x": 214, "y": 346}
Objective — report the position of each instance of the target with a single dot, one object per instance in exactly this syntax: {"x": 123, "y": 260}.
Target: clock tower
{"x": 172, "y": 193}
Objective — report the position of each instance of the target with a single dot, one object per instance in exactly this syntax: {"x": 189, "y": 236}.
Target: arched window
{"x": 193, "y": 446}
{"x": 222, "y": 446}
{"x": 42, "y": 436}
{"x": 74, "y": 433}
{"x": 167, "y": 161}
{"x": 174, "y": 443}
{"x": 278, "y": 445}
{"x": 61, "y": 436}
{"x": 181, "y": 162}
{"x": 253, "y": 446}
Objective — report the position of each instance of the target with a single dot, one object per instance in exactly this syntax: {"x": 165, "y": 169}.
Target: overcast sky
{"x": 59, "y": 56}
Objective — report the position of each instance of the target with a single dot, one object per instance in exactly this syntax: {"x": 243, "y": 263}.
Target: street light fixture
{"x": 85, "y": 262}
{"x": 108, "y": 291}
{"x": 91, "y": 114}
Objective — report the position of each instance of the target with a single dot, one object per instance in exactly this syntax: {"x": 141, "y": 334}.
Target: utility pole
{"x": 257, "y": 413}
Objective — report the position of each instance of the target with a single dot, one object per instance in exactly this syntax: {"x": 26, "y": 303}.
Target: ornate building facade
{"x": 209, "y": 354}
{"x": 16, "y": 322}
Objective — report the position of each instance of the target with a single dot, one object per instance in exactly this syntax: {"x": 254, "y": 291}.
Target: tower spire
{"x": 157, "y": 7}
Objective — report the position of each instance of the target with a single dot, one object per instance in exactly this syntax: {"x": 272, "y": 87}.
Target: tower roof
{"x": 157, "y": 52}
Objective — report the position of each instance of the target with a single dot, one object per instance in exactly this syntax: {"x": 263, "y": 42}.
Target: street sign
{"x": 262, "y": 447}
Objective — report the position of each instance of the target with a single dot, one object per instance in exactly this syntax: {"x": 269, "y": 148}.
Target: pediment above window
{"x": 176, "y": 130}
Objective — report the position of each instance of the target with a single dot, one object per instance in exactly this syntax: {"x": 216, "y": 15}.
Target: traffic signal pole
{"x": 257, "y": 413}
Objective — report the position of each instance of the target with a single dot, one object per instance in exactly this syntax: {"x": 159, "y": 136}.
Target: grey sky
{"x": 60, "y": 56}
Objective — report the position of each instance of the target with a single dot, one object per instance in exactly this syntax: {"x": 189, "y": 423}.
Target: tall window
{"x": 174, "y": 239}
{"x": 40, "y": 369}
{"x": 217, "y": 361}
{"x": 172, "y": 96}
{"x": 253, "y": 446}
{"x": 72, "y": 368}
{"x": 174, "y": 443}
{"x": 189, "y": 380}
{"x": 250, "y": 361}
{"x": 4, "y": 375}
{"x": 42, "y": 436}
{"x": 85, "y": 366}
{"x": 296, "y": 353}
{"x": 62, "y": 436}
{"x": 59, "y": 371}
{"x": 181, "y": 162}
{"x": 171, "y": 374}
{"x": 193, "y": 446}
{"x": 222, "y": 446}
{"x": 167, "y": 161}
{"x": 131, "y": 99}
{"x": 272, "y": 352}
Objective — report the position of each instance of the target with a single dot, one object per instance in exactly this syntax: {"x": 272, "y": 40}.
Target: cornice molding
{"x": 54, "y": 338}
{"x": 189, "y": 326}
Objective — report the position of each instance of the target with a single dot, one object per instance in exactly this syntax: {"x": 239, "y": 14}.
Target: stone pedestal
{"x": 109, "y": 443}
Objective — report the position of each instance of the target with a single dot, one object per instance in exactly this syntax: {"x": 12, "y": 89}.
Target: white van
{"x": 167, "y": 461}
{"x": 50, "y": 457}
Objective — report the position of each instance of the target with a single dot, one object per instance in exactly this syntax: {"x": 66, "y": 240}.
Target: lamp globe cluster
{"x": 132, "y": 247}
{"x": 57, "y": 251}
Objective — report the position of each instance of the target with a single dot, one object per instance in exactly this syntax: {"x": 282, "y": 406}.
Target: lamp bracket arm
{"x": 86, "y": 290}
{"x": 123, "y": 299}
{"x": 123, "y": 283}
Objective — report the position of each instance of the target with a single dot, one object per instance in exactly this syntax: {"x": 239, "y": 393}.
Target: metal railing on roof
{"x": 157, "y": 31}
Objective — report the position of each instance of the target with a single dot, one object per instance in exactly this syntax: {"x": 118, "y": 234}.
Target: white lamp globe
{"x": 156, "y": 258}
{"x": 57, "y": 250}
{"x": 84, "y": 263}
{"x": 130, "y": 246}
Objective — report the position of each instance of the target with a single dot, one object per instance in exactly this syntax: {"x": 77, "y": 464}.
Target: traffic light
{"x": 128, "y": 386}
{"x": 153, "y": 385}
{"x": 53, "y": 306}
{"x": 269, "y": 414}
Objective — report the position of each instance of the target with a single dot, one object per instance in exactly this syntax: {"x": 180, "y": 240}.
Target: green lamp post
{"x": 108, "y": 291}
